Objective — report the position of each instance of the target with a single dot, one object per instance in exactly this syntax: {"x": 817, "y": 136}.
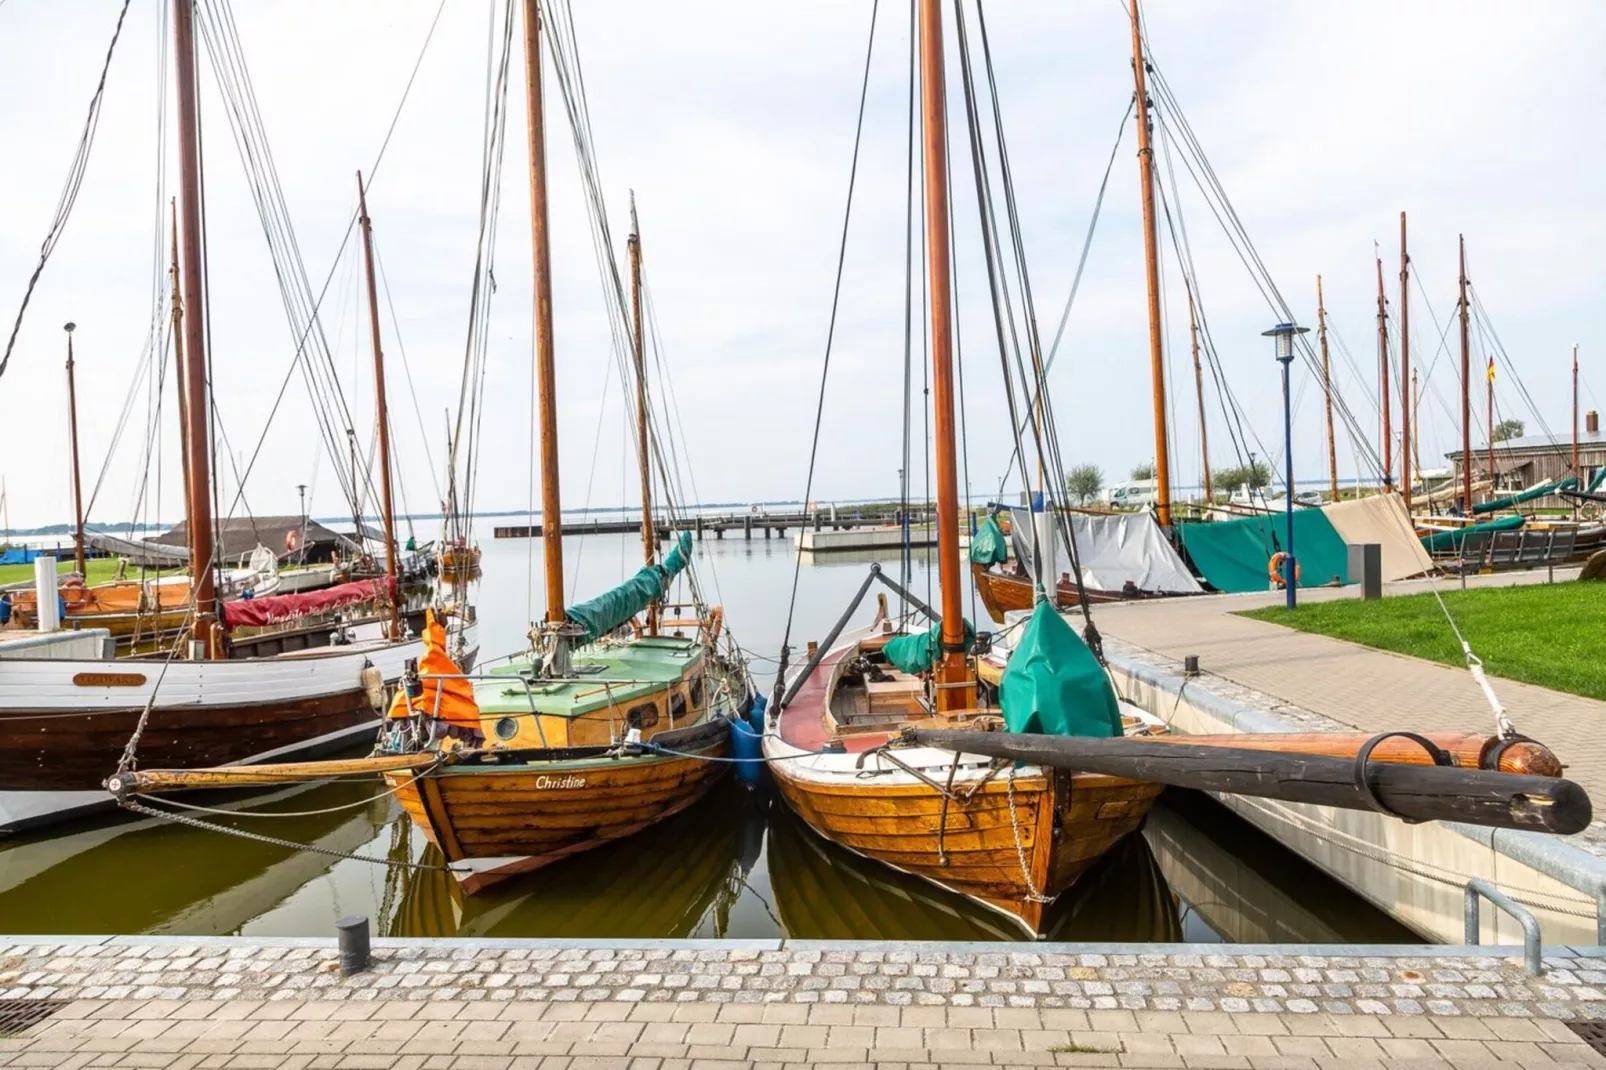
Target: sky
{"x": 733, "y": 124}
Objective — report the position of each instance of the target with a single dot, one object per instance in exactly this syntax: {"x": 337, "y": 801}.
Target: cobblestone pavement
{"x": 1372, "y": 690}
{"x": 672, "y": 1004}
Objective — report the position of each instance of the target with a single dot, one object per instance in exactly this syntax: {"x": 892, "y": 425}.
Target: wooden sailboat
{"x": 1010, "y": 838}
{"x": 65, "y": 724}
{"x": 584, "y": 746}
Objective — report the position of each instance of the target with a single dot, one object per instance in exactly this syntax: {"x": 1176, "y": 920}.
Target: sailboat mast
{"x": 1576, "y": 473}
{"x": 1494, "y": 484}
{"x": 198, "y": 494}
{"x": 1327, "y": 391}
{"x": 1198, "y": 382}
{"x": 1151, "y": 257}
{"x": 77, "y": 479}
{"x": 1405, "y": 374}
{"x": 381, "y": 412}
{"x": 1383, "y": 389}
{"x": 955, "y": 689}
{"x": 178, "y": 348}
{"x": 545, "y": 362}
{"x": 649, "y": 545}
{"x": 1466, "y": 394}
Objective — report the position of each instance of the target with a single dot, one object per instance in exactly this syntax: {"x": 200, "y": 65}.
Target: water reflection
{"x": 737, "y": 865}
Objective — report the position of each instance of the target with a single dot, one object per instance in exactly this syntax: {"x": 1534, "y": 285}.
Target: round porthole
{"x": 507, "y": 728}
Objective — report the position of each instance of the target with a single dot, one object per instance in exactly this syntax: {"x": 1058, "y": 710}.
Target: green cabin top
{"x": 642, "y": 667}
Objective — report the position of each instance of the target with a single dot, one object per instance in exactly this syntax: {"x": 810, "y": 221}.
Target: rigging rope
{"x": 76, "y": 170}
{"x": 830, "y": 335}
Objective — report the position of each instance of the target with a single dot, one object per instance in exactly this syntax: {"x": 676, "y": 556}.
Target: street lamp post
{"x": 1284, "y": 334}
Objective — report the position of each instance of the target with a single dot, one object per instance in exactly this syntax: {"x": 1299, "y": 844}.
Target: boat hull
{"x": 1064, "y": 824}
{"x": 1001, "y": 594}
{"x": 493, "y": 821}
{"x": 64, "y": 722}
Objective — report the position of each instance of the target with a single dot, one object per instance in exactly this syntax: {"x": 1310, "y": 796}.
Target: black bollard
{"x": 351, "y": 934}
{"x": 1190, "y": 665}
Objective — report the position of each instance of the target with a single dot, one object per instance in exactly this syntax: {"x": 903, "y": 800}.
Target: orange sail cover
{"x": 450, "y": 699}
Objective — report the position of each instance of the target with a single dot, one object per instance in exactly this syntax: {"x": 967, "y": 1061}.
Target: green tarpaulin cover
{"x": 1600, "y": 477}
{"x": 1570, "y": 483}
{"x": 1450, "y": 540}
{"x": 918, "y": 651}
{"x": 608, "y": 611}
{"x": 989, "y": 546}
{"x": 1233, "y": 555}
{"x": 1054, "y": 685}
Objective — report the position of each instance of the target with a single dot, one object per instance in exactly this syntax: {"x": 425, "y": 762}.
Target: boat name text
{"x": 109, "y": 679}
{"x": 560, "y": 782}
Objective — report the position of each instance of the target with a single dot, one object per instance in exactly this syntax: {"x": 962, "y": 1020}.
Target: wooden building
{"x": 1520, "y": 463}
{"x": 238, "y": 536}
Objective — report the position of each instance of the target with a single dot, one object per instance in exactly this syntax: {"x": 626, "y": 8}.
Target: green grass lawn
{"x": 1553, "y": 635}
{"x": 101, "y": 569}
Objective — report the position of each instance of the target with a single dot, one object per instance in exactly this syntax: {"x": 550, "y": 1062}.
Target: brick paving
{"x": 680, "y": 1005}
{"x": 1372, "y": 690}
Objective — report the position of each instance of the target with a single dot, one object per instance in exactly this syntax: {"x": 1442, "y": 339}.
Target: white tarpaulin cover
{"x": 1115, "y": 549}
{"x": 1382, "y": 519}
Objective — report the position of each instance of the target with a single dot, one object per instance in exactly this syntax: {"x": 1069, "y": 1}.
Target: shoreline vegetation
{"x": 1550, "y": 635}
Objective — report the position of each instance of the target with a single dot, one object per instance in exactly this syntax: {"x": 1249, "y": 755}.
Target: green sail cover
{"x": 1570, "y": 483}
{"x": 918, "y": 651}
{"x": 1054, "y": 685}
{"x": 989, "y": 546}
{"x": 1234, "y": 555}
{"x": 1442, "y": 541}
{"x": 1600, "y": 477}
{"x": 608, "y": 611}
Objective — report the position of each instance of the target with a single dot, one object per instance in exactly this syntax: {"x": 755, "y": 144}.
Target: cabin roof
{"x": 628, "y": 672}
{"x": 238, "y": 536}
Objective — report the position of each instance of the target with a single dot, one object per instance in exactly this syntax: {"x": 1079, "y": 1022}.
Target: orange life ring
{"x": 292, "y": 540}
{"x": 1274, "y": 568}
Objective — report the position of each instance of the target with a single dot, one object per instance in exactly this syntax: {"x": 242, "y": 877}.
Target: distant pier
{"x": 763, "y": 524}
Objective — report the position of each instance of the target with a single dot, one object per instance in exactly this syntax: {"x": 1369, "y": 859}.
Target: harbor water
{"x": 737, "y": 865}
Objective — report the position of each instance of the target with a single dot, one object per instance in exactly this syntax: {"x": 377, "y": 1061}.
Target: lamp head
{"x": 70, "y": 328}
{"x": 1284, "y": 334}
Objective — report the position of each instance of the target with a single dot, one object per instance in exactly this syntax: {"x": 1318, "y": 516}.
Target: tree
{"x": 1084, "y": 481}
{"x": 1256, "y": 475}
{"x": 1506, "y": 430}
{"x": 1142, "y": 471}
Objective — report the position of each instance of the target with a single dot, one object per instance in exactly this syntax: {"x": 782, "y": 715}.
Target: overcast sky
{"x": 733, "y": 123}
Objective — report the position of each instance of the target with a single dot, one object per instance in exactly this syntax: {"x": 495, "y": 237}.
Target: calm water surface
{"x": 736, "y": 865}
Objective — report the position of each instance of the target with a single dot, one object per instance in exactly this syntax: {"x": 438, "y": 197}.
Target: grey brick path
{"x": 668, "y": 1005}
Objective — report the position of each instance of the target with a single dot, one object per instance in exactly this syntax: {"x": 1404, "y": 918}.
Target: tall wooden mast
{"x": 77, "y": 479}
{"x": 545, "y": 362}
{"x": 177, "y": 302}
{"x": 1494, "y": 484}
{"x": 1466, "y": 393}
{"x": 1405, "y": 370}
{"x": 955, "y": 688}
{"x": 1383, "y": 387}
{"x": 1151, "y": 258}
{"x": 1327, "y": 390}
{"x": 649, "y": 545}
{"x": 1198, "y": 382}
{"x": 197, "y": 440}
{"x": 382, "y": 412}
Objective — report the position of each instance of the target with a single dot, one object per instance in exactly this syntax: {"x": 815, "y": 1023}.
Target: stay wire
{"x": 76, "y": 169}
{"x": 830, "y": 334}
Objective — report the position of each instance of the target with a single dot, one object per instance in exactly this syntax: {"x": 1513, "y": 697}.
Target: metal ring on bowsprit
{"x": 1364, "y": 784}
{"x": 1491, "y": 760}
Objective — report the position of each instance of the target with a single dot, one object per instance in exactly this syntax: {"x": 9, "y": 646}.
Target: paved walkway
{"x": 682, "y": 1005}
{"x": 1372, "y": 690}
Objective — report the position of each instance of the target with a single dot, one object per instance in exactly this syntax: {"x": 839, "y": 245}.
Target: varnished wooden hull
{"x": 1063, "y": 823}
{"x": 1001, "y": 594}
{"x": 493, "y": 821}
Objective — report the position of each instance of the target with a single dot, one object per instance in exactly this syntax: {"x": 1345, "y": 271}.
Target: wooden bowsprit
{"x": 1409, "y": 792}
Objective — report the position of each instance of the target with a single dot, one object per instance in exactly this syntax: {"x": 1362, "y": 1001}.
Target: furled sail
{"x": 610, "y": 610}
{"x": 256, "y": 612}
{"x": 1570, "y": 483}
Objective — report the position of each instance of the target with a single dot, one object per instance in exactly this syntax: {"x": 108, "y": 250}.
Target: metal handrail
{"x": 1531, "y": 947}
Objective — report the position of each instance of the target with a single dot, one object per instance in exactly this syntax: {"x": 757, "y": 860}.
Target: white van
{"x": 1135, "y": 494}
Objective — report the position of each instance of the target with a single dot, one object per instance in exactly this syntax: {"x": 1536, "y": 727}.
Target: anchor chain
{"x": 1033, "y": 895}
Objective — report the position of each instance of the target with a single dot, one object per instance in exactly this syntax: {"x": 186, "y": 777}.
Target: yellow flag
{"x": 1491, "y": 369}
